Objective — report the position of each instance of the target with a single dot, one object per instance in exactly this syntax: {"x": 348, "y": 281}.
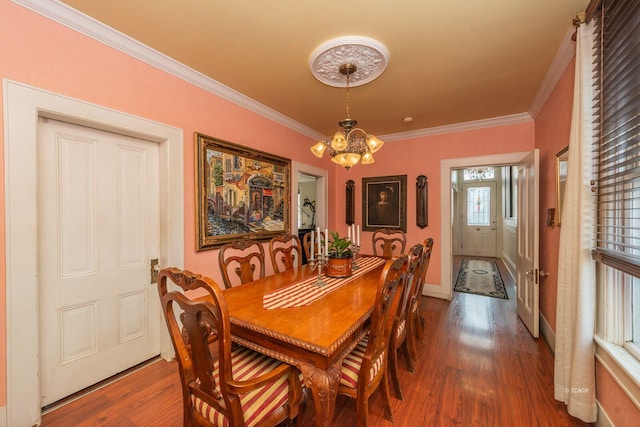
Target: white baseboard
{"x": 603, "y": 419}
{"x": 434, "y": 291}
{"x": 3, "y": 416}
{"x": 548, "y": 334}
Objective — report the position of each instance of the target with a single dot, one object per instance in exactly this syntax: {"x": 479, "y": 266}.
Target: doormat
{"x": 480, "y": 278}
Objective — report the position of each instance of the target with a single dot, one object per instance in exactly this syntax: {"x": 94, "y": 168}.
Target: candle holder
{"x": 355, "y": 250}
{"x": 317, "y": 263}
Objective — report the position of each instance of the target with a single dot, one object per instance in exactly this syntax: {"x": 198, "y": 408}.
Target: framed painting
{"x": 241, "y": 193}
{"x": 384, "y": 203}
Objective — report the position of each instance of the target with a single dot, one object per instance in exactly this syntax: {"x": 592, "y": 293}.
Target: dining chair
{"x": 389, "y": 242}
{"x": 245, "y": 257}
{"x": 364, "y": 369}
{"x": 222, "y": 385}
{"x": 401, "y": 340}
{"x": 306, "y": 243}
{"x": 417, "y": 320}
{"x": 285, "y": 252}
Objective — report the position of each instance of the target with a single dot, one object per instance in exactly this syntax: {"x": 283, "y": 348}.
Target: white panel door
{"x": 479, "y": 234}
{"x": 527, "y": 263}
{"x": 98, "y": 231}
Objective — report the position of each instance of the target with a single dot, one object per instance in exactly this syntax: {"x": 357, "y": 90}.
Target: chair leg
{"x": 393, "y": 371}
{"x": 406, "y": 352}
{"x": 386, "y": 398}
{"x": 419, "y": 325}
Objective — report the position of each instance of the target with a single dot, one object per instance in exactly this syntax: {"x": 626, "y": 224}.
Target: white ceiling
{"x": 449, "y": 61}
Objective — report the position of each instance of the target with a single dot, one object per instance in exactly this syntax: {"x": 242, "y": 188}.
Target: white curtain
{"x": 574, "y": 374}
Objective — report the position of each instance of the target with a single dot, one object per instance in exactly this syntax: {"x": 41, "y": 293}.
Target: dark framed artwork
{"x": 384, "y": 203}
{"x": 422, "y": 201}
{"x": 350, "y": 202}
{"x": 241, "y": 193}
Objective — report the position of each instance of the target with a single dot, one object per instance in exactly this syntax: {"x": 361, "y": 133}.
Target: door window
{"x": 478, "y": 206}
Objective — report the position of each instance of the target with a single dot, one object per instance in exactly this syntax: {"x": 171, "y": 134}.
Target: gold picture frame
{"x": 241, "y": 193}
{"x": 562, "y": 164}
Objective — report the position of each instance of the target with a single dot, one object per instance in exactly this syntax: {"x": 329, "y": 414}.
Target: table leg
{"x": 324, "y": 387}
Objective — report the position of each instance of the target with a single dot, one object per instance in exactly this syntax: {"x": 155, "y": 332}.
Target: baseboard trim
{"x": 548, "y": 334}
{"x": 434, "y": 291}
{"x": 602, "y": 419}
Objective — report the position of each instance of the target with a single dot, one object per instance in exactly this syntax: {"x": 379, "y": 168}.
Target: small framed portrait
{"x": 384, "y": 203}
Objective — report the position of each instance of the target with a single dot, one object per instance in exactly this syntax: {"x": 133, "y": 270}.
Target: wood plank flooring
{"x": 479, "y": 367}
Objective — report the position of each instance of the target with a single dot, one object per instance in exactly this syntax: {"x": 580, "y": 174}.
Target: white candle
{"x": 349, "y": 233}
{"x": 358, "y": 236}
{"x": 326, "y": 241}
{"x": 313, "y": 243}
{"x": 353, "y": 233}
{"x": 319, "y": 241}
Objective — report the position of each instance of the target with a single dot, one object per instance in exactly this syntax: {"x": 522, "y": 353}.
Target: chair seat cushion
{"x": 256, "y": 405}
{"x": 353, "y": 362}
{"x": 401, "y": 328}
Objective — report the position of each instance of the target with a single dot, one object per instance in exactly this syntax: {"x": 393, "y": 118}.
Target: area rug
{"x": 481, "y": 278}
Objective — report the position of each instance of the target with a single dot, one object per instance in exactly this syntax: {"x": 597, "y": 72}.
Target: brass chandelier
{"x": 352, "y": 144}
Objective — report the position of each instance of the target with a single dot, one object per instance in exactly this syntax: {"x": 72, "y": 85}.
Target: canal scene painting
{"x": 241, "y": 193}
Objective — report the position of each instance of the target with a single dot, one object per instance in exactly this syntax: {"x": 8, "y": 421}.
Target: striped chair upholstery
{"x": 221, "y": 386}
{"x": 257, "y": 405}
{"x": 369, "y": 357}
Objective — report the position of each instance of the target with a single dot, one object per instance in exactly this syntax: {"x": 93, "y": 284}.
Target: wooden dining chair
{"x": 306, "y": 243}
{"x": 222, "y": 385}
{"x": 388, "y": 242}
{"x": 416, "y": 320}
{"x": 364, "y": 369}
{"x": 401, "y": 340}
{"x": 246, "y": 258}
{"x": 285, "y": 252}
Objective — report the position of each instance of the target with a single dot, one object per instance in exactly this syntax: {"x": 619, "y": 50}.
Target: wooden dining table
{"x": 315, "y": 337}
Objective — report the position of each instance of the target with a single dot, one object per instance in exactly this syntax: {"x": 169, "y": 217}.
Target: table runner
{"x": 305, "y": 292}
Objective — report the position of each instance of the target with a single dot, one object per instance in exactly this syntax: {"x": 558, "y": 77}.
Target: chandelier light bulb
{"x": 319, "y": 149}
{"x": 339, "y": 142}
{"x": 367, "y": 158}
{"x": 374, "y": 143}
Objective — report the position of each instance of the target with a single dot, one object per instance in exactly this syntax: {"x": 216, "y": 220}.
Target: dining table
{"x": 313, "y": 325}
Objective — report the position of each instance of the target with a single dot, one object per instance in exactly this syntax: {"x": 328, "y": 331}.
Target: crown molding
{"x": 459, "y": 127}
{"x": 77, "y": 21}
{"x": 566, "y": 51}
{"x": 96, "y": 30}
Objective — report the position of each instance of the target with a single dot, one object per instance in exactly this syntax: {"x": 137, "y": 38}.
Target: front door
{"x": 527, "y": 268}
{"x": 479, "y": 219}
{"x": 98, "y": 231}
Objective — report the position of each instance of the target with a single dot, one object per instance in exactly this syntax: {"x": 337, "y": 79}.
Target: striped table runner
{"x": 305, "y": 292}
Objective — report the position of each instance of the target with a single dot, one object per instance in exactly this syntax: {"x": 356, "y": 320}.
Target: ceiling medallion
{"x": 370, "y": 57}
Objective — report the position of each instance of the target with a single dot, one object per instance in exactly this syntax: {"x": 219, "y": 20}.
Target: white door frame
{"x": 322, "y": 193}
{"x": 22, "y": 107}
{"x": 446, "y": 167}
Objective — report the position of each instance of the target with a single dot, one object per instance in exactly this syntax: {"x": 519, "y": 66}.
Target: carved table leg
{"x": 324, "y": 387}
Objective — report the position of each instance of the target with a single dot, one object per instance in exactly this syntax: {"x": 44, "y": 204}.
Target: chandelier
{"x": 352, "y": 144}
{"x": 333, "y": 63}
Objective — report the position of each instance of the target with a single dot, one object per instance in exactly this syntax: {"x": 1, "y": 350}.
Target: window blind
{"x": 617, "y": 134}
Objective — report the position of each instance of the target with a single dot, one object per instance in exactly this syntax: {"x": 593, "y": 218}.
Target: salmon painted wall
{"x": 553, "y": 125}
{"x": 552, "y": 129}
{"x": 422, "y": 156}
{"x": 41, "y": 53}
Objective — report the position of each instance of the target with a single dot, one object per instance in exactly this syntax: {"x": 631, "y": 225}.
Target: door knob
{"x": 543, "y": 273}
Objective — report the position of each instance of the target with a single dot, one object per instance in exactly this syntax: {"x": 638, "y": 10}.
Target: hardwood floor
{"x": 479, "y": 367}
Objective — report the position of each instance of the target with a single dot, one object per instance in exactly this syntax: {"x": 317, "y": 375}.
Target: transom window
{"x": 479, "y": 173}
